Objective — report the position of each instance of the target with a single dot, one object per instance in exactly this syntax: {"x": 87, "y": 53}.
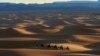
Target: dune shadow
{"x": 16, "y": 44}
{"x": 9, "y": 53}
{"x": 94, "y": 45}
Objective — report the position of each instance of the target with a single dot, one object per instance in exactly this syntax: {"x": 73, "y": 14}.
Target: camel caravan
{"x": 51, "y": 46}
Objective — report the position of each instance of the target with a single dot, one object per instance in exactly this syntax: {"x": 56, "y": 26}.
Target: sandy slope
{"x": 87, "y": 38}
{"x": 30, "y": 52}
{"x": 23, "y": 31}
{"x": 55, "y": 30}
{"x": 39, "y": 52}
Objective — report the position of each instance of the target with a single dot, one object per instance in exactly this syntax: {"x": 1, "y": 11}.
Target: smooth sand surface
{"x": 31, "y": 52}
{"x": 39, "y": 52}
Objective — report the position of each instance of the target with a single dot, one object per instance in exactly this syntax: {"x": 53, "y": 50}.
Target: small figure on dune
{"x": 48, "y": 46}
{"x": 61, "y": 47}
{"x": 42, "y": 45}
{"x": 67, "y": 48}
{"x": 55, "y": 47}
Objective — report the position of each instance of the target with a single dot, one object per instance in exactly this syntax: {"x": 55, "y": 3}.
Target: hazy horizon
{"x": 38, "y": 1}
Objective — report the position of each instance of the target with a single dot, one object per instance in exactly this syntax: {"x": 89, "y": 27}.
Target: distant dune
{"x": 9, "y": 31}
{"x": 87, "y": 38}
{"x": 56, "y": 29}
{"x": 23, "y": 31}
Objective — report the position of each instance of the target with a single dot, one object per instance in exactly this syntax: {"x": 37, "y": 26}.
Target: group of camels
{"x": 52, "y": 47}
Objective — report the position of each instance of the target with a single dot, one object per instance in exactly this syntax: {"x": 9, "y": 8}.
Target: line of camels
{"x": 51, "y": 47}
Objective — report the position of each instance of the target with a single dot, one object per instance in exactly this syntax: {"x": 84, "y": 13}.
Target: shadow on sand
{"x": 9, "y": 53}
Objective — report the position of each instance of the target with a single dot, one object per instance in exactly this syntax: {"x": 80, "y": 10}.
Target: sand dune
{"x": 87, "y": 38}
{"x": 31, "y": 52}
{"x": 56, "y": 29}
{"x": 8, "y": 31}
{"x": 51, "y": 30}
{"x": 72, "y": 34}
{"x": 23, "y": 31}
